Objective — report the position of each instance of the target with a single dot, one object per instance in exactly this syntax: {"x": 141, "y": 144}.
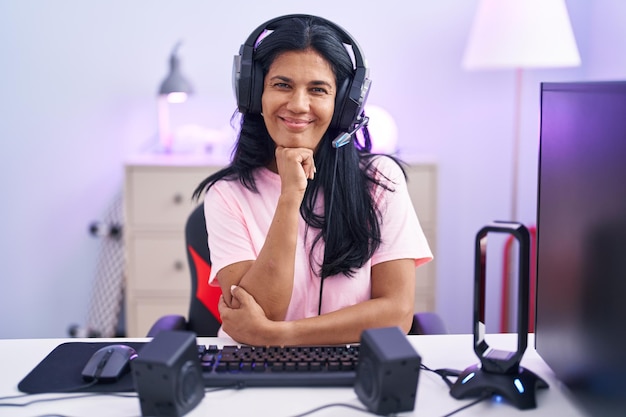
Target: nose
{"x": 298, "y": 101}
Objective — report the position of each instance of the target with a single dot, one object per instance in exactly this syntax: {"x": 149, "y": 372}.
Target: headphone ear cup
{"x": 351, "y": 98}
{"x": 256, "y": 89}
{"x": 242, "y": 73}
{"x": 247, "y": 81}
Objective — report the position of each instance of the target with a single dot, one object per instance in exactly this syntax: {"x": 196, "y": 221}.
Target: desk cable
{"x": 304, "y": 414}
{"x": 81, "y": 395}
{"x": 445, "y": 373}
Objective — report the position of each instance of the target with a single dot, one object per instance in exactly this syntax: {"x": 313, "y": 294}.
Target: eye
{"x": 319, "y": 90}
{"x": 281, "y": 85}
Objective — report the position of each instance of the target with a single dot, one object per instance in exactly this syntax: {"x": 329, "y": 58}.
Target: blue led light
{"x": 519, "y": 385}
{"x": 468, "y": 377}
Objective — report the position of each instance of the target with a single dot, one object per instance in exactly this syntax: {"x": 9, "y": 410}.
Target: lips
{"x": 295, "y": 123}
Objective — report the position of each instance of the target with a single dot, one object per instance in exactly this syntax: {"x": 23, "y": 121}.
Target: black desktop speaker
{"x": 167, "y": 375}
{"x": 388, "y": 371}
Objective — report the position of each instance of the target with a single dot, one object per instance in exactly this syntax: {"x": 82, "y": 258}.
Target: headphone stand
{"x": 499, "y": 372}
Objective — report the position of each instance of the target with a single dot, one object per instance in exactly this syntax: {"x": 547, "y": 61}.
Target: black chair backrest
{"x": 203, "y": 298}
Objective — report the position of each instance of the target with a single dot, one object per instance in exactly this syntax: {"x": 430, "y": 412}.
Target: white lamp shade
{"x": 521, "y": 34}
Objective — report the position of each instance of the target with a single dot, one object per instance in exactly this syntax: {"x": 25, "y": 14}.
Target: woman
{"x": 311, "y": 244}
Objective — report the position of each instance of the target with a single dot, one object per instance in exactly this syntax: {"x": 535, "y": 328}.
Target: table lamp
{"x": 519, "y": 34}
{"x": 173, "y": 90}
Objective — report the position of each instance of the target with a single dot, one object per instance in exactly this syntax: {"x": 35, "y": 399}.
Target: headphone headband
{"x": 248, "y": 76}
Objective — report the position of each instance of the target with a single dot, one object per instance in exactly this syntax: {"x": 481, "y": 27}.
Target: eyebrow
{"x": 314, "y": 82}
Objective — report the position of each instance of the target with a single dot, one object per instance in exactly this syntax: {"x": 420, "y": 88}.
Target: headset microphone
{"x": 344, "y": 138}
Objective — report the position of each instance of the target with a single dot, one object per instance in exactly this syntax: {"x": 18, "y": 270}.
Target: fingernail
{"x": 232, "y": 287}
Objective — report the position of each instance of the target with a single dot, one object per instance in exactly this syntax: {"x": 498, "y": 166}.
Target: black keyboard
{"x": 306, "y": 366}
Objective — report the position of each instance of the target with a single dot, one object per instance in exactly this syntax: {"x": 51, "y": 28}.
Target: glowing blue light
{"x": 518, "y": 385}
{"x": 467, "y": 378}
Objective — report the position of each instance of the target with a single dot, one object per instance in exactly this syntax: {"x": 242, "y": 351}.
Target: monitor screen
{"x": 580, "y": 328}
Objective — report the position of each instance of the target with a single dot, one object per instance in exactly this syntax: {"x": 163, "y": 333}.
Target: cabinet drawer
{"x": 161, "y": 198}
{"x": 159, "y": 263}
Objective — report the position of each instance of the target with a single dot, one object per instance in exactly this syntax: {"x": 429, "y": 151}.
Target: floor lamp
{"x": 517, "y": 35}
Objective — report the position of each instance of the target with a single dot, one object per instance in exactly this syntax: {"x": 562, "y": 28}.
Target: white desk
{"x": 19, "y": 357}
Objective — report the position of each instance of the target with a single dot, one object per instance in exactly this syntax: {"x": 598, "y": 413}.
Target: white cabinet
{"x": 157, "y": 202}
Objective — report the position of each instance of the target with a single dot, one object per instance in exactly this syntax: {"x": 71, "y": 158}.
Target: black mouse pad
{"x": 61, "y": 370}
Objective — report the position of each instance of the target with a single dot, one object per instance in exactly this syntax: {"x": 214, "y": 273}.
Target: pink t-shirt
{"x": 238, "y": 220}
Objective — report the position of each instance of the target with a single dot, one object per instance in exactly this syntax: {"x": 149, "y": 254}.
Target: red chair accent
{"x": 208, "y": 295}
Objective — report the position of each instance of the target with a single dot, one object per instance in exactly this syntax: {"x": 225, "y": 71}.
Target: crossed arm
{"x": 391, "y": 304}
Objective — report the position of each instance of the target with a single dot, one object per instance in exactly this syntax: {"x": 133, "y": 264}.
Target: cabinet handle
{"x": 179, "y": 265}
{"x": 178, "y": 198}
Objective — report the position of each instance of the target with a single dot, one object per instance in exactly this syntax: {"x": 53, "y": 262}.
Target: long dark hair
{"x": 352, "y": 233}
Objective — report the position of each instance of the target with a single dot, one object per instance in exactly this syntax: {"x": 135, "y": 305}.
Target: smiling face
{"x": 298, "y": 99}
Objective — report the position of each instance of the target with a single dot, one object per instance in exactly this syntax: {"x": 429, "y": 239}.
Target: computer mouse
{"x": 109, "y": 364}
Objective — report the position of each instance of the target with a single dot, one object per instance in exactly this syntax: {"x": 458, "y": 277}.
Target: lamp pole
{"x": 517, "y": 123}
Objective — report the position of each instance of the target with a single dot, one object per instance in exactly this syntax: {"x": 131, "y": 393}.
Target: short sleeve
{"x": 401, "y": 233}
{"x": 228, "y": 238}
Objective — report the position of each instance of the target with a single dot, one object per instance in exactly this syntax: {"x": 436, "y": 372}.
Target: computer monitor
{"x": 580, "y": 328}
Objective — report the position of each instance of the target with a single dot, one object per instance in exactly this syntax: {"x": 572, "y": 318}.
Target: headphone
{"x": 351, "y": 95}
